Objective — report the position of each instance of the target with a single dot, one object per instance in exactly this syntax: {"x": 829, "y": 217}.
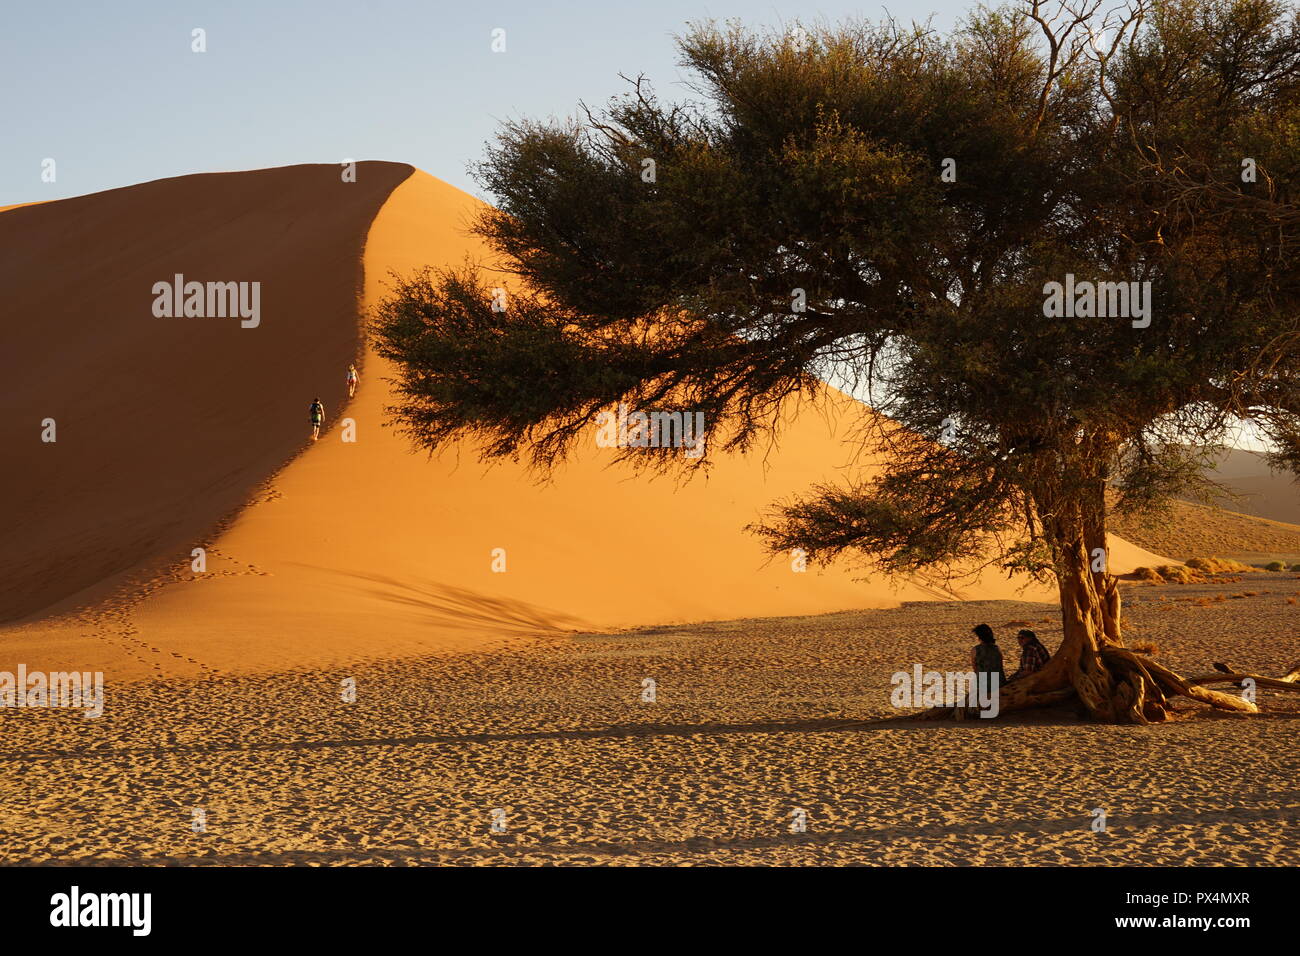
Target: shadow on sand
{"x": 1119, "y": 826}
{"x": 617, "y": 731}
{"x": 461, "y": 608}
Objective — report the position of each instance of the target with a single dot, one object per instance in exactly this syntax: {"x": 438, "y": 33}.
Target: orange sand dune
{"x": 358, "y": 550}
{"x": 163, "y": 425}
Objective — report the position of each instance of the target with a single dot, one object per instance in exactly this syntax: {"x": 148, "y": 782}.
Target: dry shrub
{"x": 1219, "y": 566}
{"x": 1178, "y": 574}
{"x": 1149, "y": 648}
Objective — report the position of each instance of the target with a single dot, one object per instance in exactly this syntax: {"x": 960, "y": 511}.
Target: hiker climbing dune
{"x": 317, "y": 418}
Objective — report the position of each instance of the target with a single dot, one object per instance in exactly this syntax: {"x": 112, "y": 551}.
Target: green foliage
{"x": 815, "y": 162}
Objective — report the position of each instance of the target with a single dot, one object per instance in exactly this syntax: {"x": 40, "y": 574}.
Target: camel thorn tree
{"x": 1055, "y": 248}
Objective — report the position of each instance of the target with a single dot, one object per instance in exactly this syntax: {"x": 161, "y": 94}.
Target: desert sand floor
{"x": 753, "y": 720}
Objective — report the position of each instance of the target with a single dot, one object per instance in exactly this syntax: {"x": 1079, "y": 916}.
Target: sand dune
{"x": 1196, "y": 530}
{"x": 164, "y": 425}
{"x": 357, "y": 550}
{"x": 1256, "y": 488}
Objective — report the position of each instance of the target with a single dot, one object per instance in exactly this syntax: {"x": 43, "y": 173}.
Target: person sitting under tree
{"x": 1033, "y": 655}
{"x": 986, "y": 657}
{"x": 986, "y": 662}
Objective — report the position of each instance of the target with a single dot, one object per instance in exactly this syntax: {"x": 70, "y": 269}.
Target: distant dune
{"x": 1257, "y": 521}
{"x": 174, "y": 434}
{"x": 1200, "y": 531}
{"x": 1257, "y": 489}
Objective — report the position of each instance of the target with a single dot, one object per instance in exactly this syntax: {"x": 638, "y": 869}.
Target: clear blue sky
{"x": 112, "y": 92}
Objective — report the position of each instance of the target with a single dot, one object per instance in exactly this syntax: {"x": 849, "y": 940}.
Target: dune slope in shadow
{"x": 164, "y": 425}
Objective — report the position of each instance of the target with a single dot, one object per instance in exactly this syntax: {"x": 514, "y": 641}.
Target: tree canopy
{"x": 1056, "y": 248}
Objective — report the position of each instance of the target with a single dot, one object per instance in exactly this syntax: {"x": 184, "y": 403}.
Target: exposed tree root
{"x": 1214, "y": 698}
{"x": 1138, "y": 692}
{"x": 1274, "y": 683}
{"x": 1113, "y": 683}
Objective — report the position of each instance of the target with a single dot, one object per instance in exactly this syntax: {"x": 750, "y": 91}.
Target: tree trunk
{"x": 1097, "y": 556}
{"x": 1110, "y": 682}
{"x": 1077, "y": 663}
